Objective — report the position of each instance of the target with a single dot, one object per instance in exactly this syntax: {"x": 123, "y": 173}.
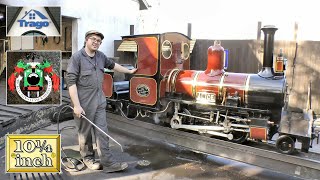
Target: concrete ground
{"x": 167, "y": 162}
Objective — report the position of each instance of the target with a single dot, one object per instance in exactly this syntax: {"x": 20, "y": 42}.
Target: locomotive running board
{"x": 299, "y": 165}
{"x": 220, "y": 107}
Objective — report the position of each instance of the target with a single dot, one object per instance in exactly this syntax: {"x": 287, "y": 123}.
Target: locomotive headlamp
{"x": 33, "y": 79}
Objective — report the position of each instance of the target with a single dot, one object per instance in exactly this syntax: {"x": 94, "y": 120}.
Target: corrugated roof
{"x": 143, "y": 4}
{"x": 192, "y": 43}
{"x": 130, "y": 46}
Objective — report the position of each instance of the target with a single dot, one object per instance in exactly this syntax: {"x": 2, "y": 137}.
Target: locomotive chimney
{"x": 267, "y": 69}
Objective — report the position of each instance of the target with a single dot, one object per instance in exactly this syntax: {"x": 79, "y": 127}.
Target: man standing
{"x": 84, "y": 79}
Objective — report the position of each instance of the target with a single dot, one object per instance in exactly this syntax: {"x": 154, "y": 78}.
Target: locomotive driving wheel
{"x": 285, "y": 144}
{"x": 186, "y": 119}
{"x": 239, "y": 136}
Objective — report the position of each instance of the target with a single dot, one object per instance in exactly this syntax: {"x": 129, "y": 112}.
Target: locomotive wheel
{"x": 132, "y": 112}
{"x": 285, "y": 144}
{"x": 185, "y": 119}
{"x": 238, "y": 136}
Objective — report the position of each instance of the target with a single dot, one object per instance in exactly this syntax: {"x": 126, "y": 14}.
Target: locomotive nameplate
{"x": 143, "y": 90}
{"x": 205, "y": 97}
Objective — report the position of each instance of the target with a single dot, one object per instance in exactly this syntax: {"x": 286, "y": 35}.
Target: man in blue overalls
{"x": 84, "y": 79}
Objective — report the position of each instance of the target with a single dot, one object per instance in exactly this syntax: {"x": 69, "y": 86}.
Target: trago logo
{"x": 28, "y": 20}
{"x": 33, "y": 75}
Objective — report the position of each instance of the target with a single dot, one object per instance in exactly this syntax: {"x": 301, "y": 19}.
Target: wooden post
{"x": 189, "y": 30}
{"x": 259, "y": 47}
{"x": 295, "y": 37}
{"x": 131, "y": 29}
{"x": 259, "y": 31}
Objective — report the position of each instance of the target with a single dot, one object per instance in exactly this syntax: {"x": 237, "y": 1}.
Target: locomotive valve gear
{"x": 217, "y": 117}
{"x": 211, "y": 116}
{"x": 175, "y": 121}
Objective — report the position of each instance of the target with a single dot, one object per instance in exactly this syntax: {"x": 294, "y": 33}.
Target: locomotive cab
{"x": 155, "y": 55}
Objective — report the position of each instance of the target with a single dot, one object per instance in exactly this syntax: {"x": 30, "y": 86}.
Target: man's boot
{"x": 115, "y": 166}
{"x": 92, "y": 164}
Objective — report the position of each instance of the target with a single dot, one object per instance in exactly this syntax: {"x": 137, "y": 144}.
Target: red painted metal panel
{"x": 184, "y": 82}
{"x": 143, "y": 90}
{"x": 208, "y": 84}
{"x": 175, "y": 61}
{"x": 107, "y": 85}
{"x": 147, "y": 55}
{"x": 258, "y": 133}
{"x": 235, "y": 82}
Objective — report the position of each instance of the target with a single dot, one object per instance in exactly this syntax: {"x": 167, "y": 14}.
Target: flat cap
{"x": 96, "y": 33}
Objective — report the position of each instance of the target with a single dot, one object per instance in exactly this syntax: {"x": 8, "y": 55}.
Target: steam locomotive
{"x": 234, "y": 106}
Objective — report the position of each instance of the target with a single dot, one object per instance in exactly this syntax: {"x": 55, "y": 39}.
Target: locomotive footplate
{"x": 294, "y": 123}
{"x": 299, "y": 126}
{"x": 219, "y": 107}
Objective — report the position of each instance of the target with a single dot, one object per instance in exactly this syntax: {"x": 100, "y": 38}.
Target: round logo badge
{"x": 143, "y": 90}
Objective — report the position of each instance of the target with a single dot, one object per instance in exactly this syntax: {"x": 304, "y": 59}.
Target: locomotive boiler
{"x": 213, "y": 102}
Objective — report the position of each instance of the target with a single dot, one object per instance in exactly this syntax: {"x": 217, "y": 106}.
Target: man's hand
{"x": 122, "y": 69}
{"x": 77, "y": 110}
{"x": 132, "y": 71}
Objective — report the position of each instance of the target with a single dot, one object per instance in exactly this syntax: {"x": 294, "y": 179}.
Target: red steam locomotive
{"x": 235, "y": 106}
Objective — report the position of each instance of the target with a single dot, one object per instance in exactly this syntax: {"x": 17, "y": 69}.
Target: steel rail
{"x": 302, "y": 167}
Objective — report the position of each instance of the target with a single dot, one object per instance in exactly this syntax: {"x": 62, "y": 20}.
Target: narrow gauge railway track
{"x": 303, "y": 165}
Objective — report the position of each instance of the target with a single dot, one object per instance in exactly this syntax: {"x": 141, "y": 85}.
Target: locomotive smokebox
{"x": 267, "y": 69}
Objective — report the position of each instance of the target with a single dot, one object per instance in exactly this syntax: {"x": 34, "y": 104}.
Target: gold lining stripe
{"x": 247, "y": 89}
{"x": 194, "y": 83}
{"x": 221, "y": 85}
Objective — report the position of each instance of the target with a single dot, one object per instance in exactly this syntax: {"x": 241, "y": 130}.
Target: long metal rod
{"x": 217, "y": 116}
{"x": 301, "y": 165}
{"x": 197, "y": 127}
{"x": 183, "y": 114}
{"x": 99, "y": 129}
